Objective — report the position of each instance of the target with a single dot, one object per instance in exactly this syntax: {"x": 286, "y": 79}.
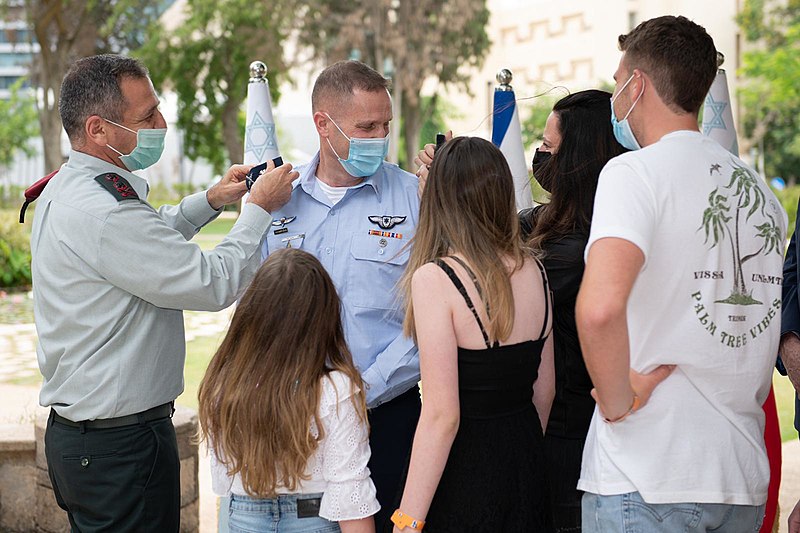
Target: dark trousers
{"x": 563, "y": 471}
{"x": 123, "y": 479}
{"x": 391, "y": 434}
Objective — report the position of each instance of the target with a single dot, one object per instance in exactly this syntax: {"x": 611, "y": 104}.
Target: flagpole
{"x": 507, "y": 135}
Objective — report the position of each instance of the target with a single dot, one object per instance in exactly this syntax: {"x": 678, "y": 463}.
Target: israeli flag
{"x": 507, "y": 135}
{"x": 717, "y": 115}
{"x": 260, "y": 140}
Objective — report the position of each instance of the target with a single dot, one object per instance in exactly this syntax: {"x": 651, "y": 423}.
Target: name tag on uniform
{"x": 294, "y": 241}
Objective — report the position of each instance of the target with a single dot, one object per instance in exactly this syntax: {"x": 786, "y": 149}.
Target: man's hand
{"x": 790, "y": 355}
{"x": 424, "y": 160}
{"x": 230, "y": 188}
{"x": 274, "y": 188}
{"x": 642, "y": 385}
{"x": 794, "y": 519}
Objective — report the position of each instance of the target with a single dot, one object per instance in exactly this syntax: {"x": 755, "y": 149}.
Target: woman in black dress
{"x": 479, "y": 310}
{"x": 578, "y": 141}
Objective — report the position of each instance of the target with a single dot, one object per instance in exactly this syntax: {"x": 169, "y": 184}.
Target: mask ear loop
{"x": 333, "y": 149}
{"x": 340, "y": 131}
{"x": 635, "y": 102}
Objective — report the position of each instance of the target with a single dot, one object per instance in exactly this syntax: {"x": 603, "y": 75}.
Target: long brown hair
{"x": 587, "y": 144}
{"x": 262, "y": 389}
{"x": 468, "y": 208}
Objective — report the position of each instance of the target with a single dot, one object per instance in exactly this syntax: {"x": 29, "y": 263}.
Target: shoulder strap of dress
{"x": 460, "y": 286}
{"x": 472, "y": 275}
{"x": 547, "y": 294}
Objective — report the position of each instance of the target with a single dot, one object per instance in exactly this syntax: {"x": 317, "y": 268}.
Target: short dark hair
{"x": 678, "y": 55}
{"x": 587, "y": 144}
{"x": 92, "y": 87}
{"x": 338, "y": 81}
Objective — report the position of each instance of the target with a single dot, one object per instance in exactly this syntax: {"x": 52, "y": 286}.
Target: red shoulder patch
{"x": 117, "y": 186}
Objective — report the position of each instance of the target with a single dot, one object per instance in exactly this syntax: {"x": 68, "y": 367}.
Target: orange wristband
{"x": 634, "y": 407}
{"x": 402, "y": 521}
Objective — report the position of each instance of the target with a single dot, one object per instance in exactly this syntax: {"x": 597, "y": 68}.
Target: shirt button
{"x": 328, "y": 250}
{"x": 380, "y": 251}
{"x": 84, "y": 462}
{"x": 333, "y": 213}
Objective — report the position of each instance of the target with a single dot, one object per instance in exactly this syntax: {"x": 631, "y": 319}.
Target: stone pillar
{"x": 50, "y": 518}
{"x": 17, "y": 477}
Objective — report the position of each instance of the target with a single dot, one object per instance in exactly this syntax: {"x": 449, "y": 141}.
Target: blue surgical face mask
{"x": 149, "y": 147}
{"x": 622, "y": 129}
{"x": 365, "y": 155}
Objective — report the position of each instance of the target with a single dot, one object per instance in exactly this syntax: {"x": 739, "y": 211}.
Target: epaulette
{"x": 117, "y": 186}
{"x": 33, "y": 192}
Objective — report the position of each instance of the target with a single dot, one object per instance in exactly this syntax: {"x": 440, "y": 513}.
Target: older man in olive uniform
{"x": 111, "y": 275}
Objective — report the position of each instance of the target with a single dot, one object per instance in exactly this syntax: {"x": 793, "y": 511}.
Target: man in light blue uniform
{"x": 356, "y": 213}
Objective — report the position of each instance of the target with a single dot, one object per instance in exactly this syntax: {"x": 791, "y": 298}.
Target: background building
{"x": 573, "y": 43}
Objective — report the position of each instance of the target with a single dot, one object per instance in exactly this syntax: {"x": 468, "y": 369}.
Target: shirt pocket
{"x": 378, "y": 263}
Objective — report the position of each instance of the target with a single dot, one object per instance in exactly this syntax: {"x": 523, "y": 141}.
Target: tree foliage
{"x": 417, "y": 40}
{"x": 70, "y": 29}
{"x": 770, "y": 95}
{"x": 206, "y": 62}
{"x": 17, "y": 123}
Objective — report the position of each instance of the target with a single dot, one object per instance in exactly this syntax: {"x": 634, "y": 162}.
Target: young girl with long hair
{"x": 478, "y": 307}
{"x": 282, "y": 407}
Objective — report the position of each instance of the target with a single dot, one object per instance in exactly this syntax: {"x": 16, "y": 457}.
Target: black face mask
{"x": 544, "y": 178}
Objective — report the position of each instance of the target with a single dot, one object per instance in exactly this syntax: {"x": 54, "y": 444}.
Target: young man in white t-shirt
{"x": 679, "y": 309}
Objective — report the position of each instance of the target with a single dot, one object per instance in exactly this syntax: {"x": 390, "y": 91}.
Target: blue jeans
{"x": 274, "y": 515}
{"x": 629, "y": 513}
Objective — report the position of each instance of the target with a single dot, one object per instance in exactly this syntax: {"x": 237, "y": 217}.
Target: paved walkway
{"x": 20, "y": 403}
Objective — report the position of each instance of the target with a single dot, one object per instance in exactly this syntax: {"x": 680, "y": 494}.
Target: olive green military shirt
{"x": 111, "y": 276}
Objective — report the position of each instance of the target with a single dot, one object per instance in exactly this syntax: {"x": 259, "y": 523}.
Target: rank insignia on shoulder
{"x": 386, "y": 221}
{"x": 117, "y": 186}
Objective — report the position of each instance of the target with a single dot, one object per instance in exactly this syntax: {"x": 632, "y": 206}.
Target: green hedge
{"x": 15, "y": 252}
{"x": 788, "y": 198}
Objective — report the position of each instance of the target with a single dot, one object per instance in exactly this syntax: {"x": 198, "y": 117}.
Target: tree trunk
{"x": 395, "y": 126}
{"x": 231, "y": 131}
{"x": 413, "y": 123}
{"x": 64, "y": 33}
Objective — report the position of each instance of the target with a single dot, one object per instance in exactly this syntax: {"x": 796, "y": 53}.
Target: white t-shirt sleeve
{"x": 350, "y": 493}
{"x": 624, "y": 207}
{"x": 221, "y": 482}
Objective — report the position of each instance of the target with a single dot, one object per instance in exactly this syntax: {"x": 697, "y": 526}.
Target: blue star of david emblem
{"x": 260, "y": 137}
{"x": 717, "y": 120}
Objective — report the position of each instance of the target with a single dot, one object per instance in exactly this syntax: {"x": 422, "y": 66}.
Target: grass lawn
{"x": 784, "y": 399}
{"x": 198, "y": 354}
{"x": 213, "y": 232}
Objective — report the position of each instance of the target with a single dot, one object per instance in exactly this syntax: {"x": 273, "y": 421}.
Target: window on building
{"x": 15, "y": 60}
{"x": 16, "y": 35}
{"x": 7, "y": 81}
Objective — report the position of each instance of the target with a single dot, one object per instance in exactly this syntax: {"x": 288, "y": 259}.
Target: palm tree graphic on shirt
{"x": 743, "y": 195}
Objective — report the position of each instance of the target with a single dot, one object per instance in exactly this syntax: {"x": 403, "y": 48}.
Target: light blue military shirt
{"x": 362, "y": 243}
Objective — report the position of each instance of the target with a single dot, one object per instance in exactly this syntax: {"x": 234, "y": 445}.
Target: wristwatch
{"x": 402, "y": 520}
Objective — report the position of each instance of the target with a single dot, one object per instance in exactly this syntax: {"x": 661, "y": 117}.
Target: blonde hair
{"x": 262, "y": 389}
{"x": 468, "y": 208}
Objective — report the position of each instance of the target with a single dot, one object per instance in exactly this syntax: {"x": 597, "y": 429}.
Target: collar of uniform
{"x": 96, "y": 166}
{"x": 309, "y": 172}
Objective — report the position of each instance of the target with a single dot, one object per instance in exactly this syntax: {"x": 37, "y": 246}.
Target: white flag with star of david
{"x": 717, "y": 115}
{"x": 260, "y": 141}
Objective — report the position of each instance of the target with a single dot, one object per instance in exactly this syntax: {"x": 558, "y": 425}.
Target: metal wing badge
{"x": 386, "y": 221}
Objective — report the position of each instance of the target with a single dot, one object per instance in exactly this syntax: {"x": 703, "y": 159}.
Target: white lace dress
{"x": 338, "y": 468}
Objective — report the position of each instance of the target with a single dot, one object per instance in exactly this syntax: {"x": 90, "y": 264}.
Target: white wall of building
{"x": 573, "y": 43}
